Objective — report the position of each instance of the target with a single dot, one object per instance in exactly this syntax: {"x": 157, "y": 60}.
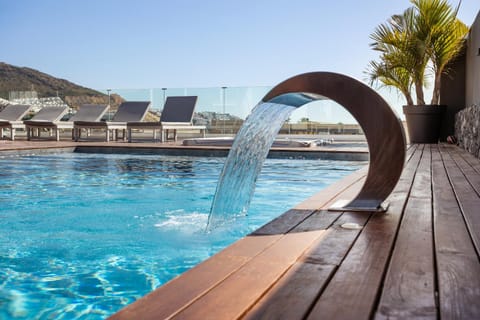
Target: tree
{"x": 426, "y": 34}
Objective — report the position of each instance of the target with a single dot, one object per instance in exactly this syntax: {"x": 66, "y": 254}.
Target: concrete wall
{"x": 461, "y": 86}
{"x": 453, "y": 95}
{"x": 472, "y": 92}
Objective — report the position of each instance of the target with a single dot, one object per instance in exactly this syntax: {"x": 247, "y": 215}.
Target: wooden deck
{"x": 420, "y": 259}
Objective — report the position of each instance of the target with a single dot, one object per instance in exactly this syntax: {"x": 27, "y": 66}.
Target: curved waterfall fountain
{"x": 382, "y": 128}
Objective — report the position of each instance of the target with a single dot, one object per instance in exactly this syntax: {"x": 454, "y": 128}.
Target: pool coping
{"x": 39, "y": 147}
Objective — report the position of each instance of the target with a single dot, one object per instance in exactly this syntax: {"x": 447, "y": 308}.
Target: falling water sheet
{"x": 245, "y": 160}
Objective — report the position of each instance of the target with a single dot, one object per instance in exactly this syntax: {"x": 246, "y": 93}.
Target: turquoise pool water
{"x": 83, "y": 235}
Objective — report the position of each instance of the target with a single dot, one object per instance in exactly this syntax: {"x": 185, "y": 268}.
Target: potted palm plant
{"x": 414, "y": 46}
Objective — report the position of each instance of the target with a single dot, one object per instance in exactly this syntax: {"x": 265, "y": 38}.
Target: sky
{"x": 185, "y": 43}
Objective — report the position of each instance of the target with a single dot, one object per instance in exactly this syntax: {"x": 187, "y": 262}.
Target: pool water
{"x": 83, "y": 235}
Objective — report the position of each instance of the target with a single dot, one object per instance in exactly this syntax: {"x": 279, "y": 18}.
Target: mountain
{"x": 14, "y": 78}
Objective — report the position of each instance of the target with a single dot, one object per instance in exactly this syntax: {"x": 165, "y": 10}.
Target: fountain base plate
{"x": 342, "y": 205}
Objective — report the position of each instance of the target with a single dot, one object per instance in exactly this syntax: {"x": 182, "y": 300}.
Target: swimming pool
{"x": 82, "y": 235}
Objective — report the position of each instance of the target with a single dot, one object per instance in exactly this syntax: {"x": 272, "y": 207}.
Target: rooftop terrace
{"x": 420, "y": 259}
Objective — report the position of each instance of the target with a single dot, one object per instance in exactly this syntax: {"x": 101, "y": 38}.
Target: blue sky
{"x": 186, "y": 43}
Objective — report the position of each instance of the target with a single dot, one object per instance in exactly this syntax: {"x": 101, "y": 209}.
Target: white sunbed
{"x": 87, "y": 112}
{"x": 177, "y": 114}
{"x": 11, "y": 118}
{"x": 127, "y": 111}
{"x": 46, "y": 118}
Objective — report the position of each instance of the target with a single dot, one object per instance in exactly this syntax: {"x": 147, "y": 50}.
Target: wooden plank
{"x": 236, "y": 294}
{"x": 404, "y": 184}
{"x": 183, "y": 290}
{"x": 410, "y": 151}
{"x": 470, "y": 173}
{"x": 319, "y": 220}
{"x": 471, "y": 159}
{"x": 292, "y": 296}
{"x": 468, "y": 199}
{"x": 409, "y": 287}
{"x": 283, "y": 223}
{"x": 351, "y": 292}
{"x": 458, "y": 268}
{"x": 353, "y": 289}
{"x": 333, "y": 248}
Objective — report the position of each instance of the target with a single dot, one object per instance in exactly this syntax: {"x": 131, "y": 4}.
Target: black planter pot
{"x": 424, "y": 122}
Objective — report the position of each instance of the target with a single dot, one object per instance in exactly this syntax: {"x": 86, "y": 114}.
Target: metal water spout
{"x": 383, "y": 129}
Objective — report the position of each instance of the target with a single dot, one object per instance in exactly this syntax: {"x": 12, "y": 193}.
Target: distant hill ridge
{"x": 14, "y": 78}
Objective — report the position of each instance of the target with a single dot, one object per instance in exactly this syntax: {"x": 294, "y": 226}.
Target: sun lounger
{"x": 177, "y": 115}
{"x": 127, "y": 111}
{"x": 46, "y": 118}
{"x": 87, "y": 112}
{"x": 11, "y": 118}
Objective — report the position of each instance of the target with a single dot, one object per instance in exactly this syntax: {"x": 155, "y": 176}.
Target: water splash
{"x": 245, "y": 160}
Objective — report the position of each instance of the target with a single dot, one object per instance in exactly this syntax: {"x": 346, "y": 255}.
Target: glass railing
{"x": 221, "y": 109}
{"x": 224, "y": 109}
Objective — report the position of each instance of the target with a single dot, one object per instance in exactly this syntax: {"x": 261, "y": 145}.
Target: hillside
{"x": 14, "y": 78}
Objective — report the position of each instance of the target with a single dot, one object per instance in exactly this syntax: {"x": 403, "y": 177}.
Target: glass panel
{"x": 223, "y": 110}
